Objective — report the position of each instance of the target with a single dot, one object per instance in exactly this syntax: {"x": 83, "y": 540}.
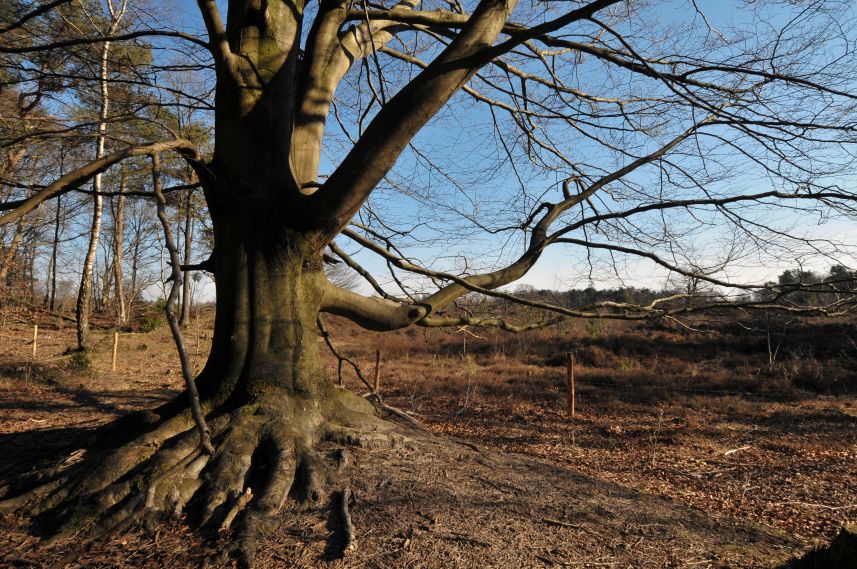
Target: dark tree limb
{"x": 350, "y": 532}
{"x": 81, "y": 175}
{"x": 218, "y": 43}
{"x": 102, "y": 39}
{"x": 176, "y": 278}
{"x": 35, "y": 13}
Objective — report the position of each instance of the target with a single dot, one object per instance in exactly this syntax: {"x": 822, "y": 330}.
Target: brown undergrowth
{"x": 716, "y": 422}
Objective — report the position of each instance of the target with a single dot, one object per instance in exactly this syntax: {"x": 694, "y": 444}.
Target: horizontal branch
{"x": 488, "y": 322}
{"x": 614, "y": 310}
{"x": 76, "y": 177}
{"x": 379, "y": 314}
{"x": 6, "y": 48}
{"x": 35, "y": 13}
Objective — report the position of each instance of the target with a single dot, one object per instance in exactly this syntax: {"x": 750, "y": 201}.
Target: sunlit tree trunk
{"x": 11, "y": 252}
{"x": 118, "y": 244}
{"x": 84, "y": 294}
{"x": 54, "y": 247}
{"x": 184, "y": 321}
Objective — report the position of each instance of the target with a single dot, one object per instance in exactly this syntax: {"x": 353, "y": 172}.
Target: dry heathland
{"x": 732, "y": 448}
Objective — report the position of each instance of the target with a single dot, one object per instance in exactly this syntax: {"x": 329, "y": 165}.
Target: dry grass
{"x": 707, "y": 419}
{"x": 710, "y": 420}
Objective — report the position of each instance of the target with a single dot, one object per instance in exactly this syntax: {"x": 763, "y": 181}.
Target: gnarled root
{"x": 264, "y": 454}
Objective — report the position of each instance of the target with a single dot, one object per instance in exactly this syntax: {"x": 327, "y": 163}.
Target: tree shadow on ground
{"x": 334, "y": 547}
{"x": 26, "y": 451}
{"x": 78, "y": 396}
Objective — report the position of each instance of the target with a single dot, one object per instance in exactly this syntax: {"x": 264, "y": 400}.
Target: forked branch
{"x": 334, "y": 205}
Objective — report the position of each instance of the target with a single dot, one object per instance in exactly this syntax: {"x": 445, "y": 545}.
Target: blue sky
{"x": 462, "y": 138}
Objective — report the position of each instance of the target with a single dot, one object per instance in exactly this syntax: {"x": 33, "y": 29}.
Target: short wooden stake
{"x": 377, "y": 371}
{"x": 115, "y": 349}
{"x": 35, "y": 338}
{"x": 569, "y": 384}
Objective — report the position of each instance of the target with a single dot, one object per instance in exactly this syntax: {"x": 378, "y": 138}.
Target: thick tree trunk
{"x": 135, "y": 261}
{"x": 264, "y": 394}
{"x": 84, "y": 293}
{"x": 269, "y": 286}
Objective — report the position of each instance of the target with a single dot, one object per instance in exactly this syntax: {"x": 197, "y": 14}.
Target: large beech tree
{"x": 613, "y": 124}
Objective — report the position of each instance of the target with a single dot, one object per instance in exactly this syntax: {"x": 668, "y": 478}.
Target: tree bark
{"x": 184, "y": 320}
{"x": 105, "y": 279}
{"x": 118, "y": 244}
{"x": 11, "y": 252}
{"x": 84, "y": 293}
{"x": 135, "y": 262}
{"x": 269, "y": 286}
{"x": 54, "y": 247}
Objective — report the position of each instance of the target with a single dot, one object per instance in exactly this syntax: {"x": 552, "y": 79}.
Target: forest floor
{"x": 687, "y": 449}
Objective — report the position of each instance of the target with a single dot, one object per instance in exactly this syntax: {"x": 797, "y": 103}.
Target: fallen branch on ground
{"x": 350, "y": 541}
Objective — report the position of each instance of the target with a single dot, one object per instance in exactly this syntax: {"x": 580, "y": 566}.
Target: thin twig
{"x": 377, "y": 396}
{"x": 326, "y": 335}
{"x": 811, "y": 505}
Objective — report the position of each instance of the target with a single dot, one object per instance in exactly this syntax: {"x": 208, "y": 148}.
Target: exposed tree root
{"x": 264, "y": 455}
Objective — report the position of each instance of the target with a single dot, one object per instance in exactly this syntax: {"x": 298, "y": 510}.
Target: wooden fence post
{"x": 35, "y": 338}
{"x": 569, "y": 384}
{"x": 377, "y": 371}
{"x": 115, "y": 349}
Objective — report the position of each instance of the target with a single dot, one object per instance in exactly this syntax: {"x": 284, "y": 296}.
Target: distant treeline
{"x": 808, "y": 287}
{"x": 793, "y": 286}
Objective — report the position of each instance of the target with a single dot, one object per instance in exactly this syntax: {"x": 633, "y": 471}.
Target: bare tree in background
{"x": 600, "y": 126}
{"x": 116, "y": 14}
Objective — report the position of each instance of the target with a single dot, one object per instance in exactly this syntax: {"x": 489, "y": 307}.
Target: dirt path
{"x": 444, "y": 504}
{"x": 449, "y": 505}
{"x": 456, "y": 507}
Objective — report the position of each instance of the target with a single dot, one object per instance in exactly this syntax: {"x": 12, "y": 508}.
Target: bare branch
{"x": 176, "y": 278}
{"x": 4, "y": 48}
{"x": 34, "y": 13}
{"x": 337, "y": 201}
{"x": 79, "y": 176}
